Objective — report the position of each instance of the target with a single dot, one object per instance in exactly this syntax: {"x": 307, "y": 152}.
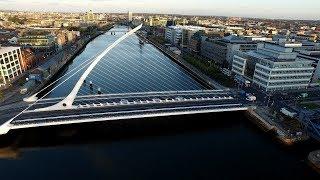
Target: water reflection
{"x": 189, "y": 147}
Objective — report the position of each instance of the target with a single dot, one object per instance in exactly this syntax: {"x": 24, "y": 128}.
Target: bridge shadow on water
{"x": 109, "y": 131}
{"x": 202, "y": 146}
{"x": 131, "y": 129}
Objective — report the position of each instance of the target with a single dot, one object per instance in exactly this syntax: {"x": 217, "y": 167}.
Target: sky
{"x": 283, "y": 9}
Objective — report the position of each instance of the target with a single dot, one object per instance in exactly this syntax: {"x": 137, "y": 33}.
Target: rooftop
{"x": 188, "y": 27}
{"x": 287, "y": 44}
{"x": 7, "y": 49}
{"x": 237, "y": 39}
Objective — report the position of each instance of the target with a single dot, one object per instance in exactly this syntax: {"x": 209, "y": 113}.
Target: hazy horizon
{"x": 272, "y": 9}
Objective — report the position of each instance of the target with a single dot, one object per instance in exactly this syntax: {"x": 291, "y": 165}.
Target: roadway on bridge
{"x": 124, "y": 104}
{"x": 114, "y": 111}
{"x": 147, "y": 96}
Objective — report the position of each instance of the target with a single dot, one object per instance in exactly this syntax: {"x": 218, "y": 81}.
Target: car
{"x": 157, "y": 100}
{"x": 124, "y": 101}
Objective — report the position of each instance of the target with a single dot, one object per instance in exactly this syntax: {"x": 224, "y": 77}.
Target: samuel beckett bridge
{"x": 123, "y": 81}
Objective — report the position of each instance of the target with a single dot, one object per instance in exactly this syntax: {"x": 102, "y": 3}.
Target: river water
{"x": 207, "y": 146}
{"x": 129, "y": 67}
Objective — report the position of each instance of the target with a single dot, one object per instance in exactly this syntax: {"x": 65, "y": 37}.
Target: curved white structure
{"x": 67, "y": 102}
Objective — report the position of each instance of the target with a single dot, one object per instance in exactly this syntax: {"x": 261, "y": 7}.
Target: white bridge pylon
{"x": 67, "y": 103}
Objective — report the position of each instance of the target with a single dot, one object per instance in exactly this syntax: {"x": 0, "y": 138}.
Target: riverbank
{"x": 267, "y": 124}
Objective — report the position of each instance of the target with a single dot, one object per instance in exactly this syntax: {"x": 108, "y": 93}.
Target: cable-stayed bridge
{"x": 124, "y": 80}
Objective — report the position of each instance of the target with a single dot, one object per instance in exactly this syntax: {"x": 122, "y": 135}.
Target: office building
{"x": 181, "y": 35}
{"x": 187, "y": 33}
{"x": 221, "y": 51}
{"x": 274, "y": 67}
{"x": 130, "y": 17}
{"x": 195, "y": 43}
{"x": 10, "y": 61}
{"x": 314, "y": 56}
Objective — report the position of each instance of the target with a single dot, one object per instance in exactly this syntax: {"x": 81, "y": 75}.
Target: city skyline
{"x": 285, "y": 9}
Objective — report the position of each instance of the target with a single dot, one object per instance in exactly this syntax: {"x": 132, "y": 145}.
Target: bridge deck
{"x": 117, "y": 105}
{"x": 80, "y": 115}
{"x": 128, "y": 106}
{"x": 136, "y": 97}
